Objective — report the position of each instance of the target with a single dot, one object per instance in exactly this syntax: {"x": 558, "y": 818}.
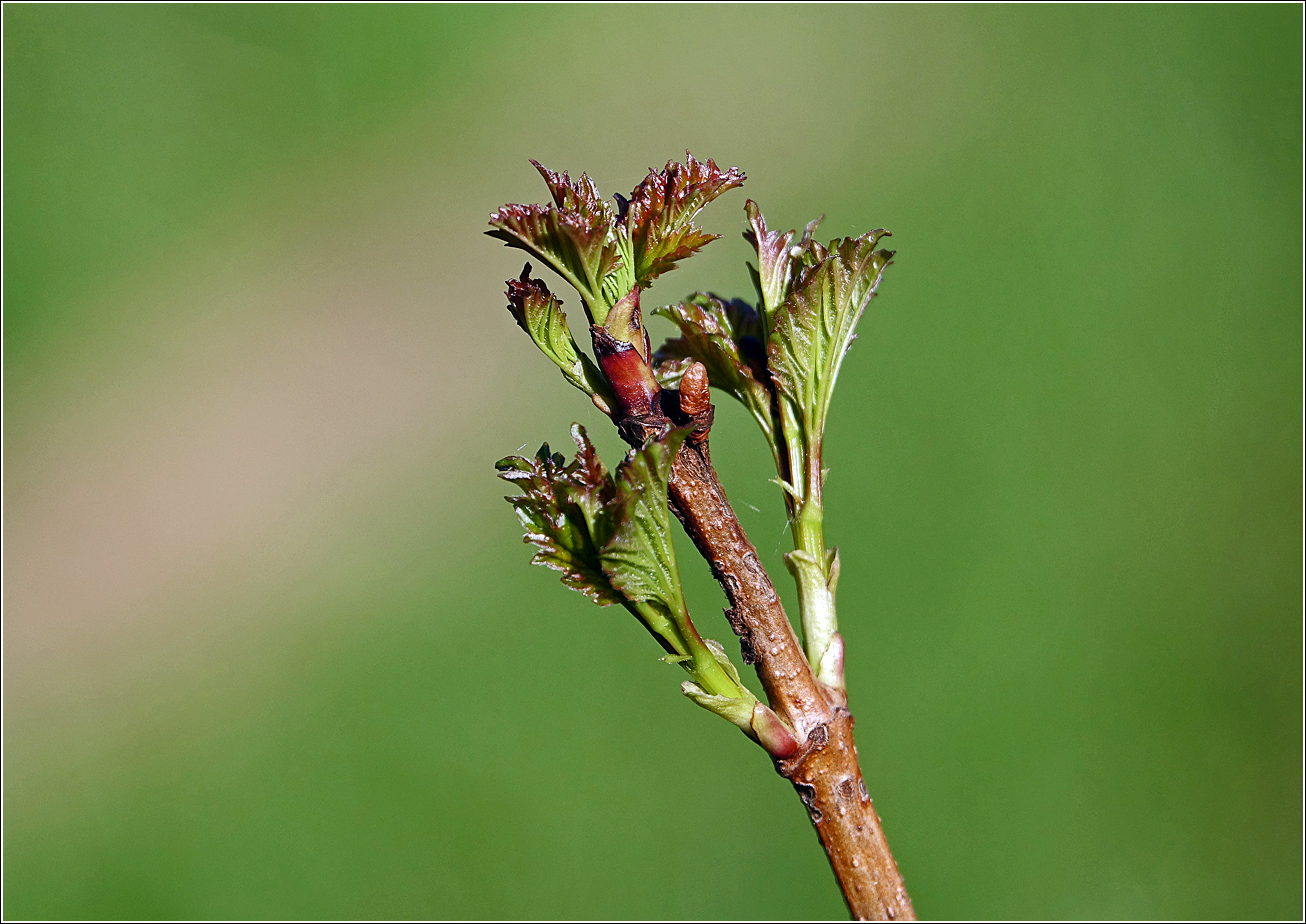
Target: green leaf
{"x": 771, "y": 275}
{"x": 620, "y": 281}
{"x": 659, "y": 216}
{"x": 814, "y": 328}
{"x": 573, "y": 234}
{"x": 539, "y": 312}
{"x": 566, "y": 511}
{"x": 610, "y": 537}
{"x": 737, "y": 710}
{"x": 639, "y": 558}
{"x": 727, "y": 338}
{"x": 778, "y": 258}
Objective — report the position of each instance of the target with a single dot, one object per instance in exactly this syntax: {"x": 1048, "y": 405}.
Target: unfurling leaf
{"x": 539, "y": 312}
{"x": 610, "y": 537}
{"x": 778, "y": 259}
{"x": 813, "y": 329}
{"x": 639, "y": 558}
{"x": 573, "y": 234}
{"x": 811, "y": 298}
{"x": 565, "y": 509}
{"x": 580, "y": 196}
{"x": 659, "y": 216}
{"x": 606, "y": 253}
{"x": 771, "y": 275}
{"x": 726, "y": 337}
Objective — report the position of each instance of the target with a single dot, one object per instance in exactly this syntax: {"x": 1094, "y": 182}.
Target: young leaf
{"x": 776, "y": 259}
{"x": 573, "y": 234}
{"x": 639, "y": 558}
{"x": 727, "y": 338}
{"x": 659, "y": 216}
{"x": 771, "y": 275}
{"x": 581, "y": 196}
{"x": 611, "y": 540}
{"x": 565, "y": 509}
{"x": 814, "y": 328}
{"x": 594, "y": 489}
{"x": 539, "y": 312}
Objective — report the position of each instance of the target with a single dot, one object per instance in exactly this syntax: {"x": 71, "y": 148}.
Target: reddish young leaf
{"x": 727, "y": 338}
{"x": 573, "y": 233}
{"x": 565, "y": 509}
{"x": 660, "y": 213}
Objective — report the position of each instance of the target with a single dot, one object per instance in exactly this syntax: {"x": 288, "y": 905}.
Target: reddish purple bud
{"x": 627, "y": 372}
{"x": 625, "y": 323}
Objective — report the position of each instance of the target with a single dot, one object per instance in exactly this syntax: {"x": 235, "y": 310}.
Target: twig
{"x": 825, "y": 770}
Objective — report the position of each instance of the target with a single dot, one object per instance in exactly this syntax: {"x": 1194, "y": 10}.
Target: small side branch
{"x": 824, "y": 771}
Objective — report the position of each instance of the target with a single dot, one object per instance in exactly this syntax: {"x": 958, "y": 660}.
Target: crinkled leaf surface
{"x": 539, "y": 312}
{"x": 726, "y": 337}
{"x": 580, "y": 196}
{"x": 610, "y": 537}
{"x": 778, "y": 258}
{"x": 566, "y": 511}
{"x": 639, "y": 558}
{"x": 573, "y": 234}
{"x": 659, "y": 217}
{"x": 815, "y": 326}
{"x": 771, "y": 275}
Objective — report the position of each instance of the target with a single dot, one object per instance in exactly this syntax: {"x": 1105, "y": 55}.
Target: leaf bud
{"x": 694, "y": 396}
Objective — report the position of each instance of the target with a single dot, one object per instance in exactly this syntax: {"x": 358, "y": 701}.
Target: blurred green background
{"x": 272, "y": 647}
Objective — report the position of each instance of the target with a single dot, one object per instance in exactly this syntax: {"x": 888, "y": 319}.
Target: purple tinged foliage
{"x": 727, "y": 337}
{"x": 609, "y": 536}
{"x": 572, "y": 234}
{"x": 605, "y": 252}
{"x": 566, "y": 509}
{"x": 771, "y": 275}
{"x": 660, "y": 213}
{"x": 580, "y": 197}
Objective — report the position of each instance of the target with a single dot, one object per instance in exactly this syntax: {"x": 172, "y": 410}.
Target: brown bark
{"x": 825, "y": 770}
